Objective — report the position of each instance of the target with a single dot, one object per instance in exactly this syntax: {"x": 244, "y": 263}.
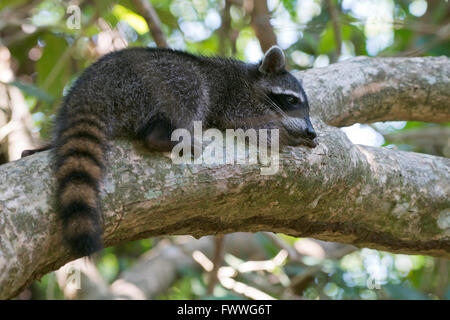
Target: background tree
{"x": 42, "y": 51}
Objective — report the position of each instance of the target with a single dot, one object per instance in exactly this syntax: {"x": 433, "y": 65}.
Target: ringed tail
{"x": 79, "y": 167}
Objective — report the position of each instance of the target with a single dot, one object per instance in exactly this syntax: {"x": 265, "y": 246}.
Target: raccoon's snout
{"x": 311, "y": 133}
{"x": 308, "y": 133}
{"x": 300, "y": 132}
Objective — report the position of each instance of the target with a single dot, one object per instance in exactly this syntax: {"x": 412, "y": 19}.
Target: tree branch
{"x": 368, "y": 197}
{"x": 433, "y": 140}
{"x": 261, "y": 25}
{"x": 334, "y": 15}
{"x": 367, "y": 90}
{"x": 147, "y": 11}
{"x": 225, "y": 28}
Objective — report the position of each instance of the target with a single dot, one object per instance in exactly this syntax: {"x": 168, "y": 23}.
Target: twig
{"x": 293, "y": 254}
{"x": 147, "y": 11}
{"x": 334, "y": 15}
{"x": 261, "y": 25}
{"x": 219, "y": 251}
{"x": 224, "y": 31}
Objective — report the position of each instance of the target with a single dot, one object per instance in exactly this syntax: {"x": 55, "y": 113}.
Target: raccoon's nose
{"x": 311, "y": 133}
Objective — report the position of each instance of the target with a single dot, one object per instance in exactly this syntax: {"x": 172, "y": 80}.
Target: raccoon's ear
{"x": 273, "y": 61}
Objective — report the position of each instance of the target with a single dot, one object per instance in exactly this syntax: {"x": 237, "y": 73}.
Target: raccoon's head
{"x": 284, "y": 99}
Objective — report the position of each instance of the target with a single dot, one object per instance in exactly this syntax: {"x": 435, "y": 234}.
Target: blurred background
{"x": 45, "y": 45}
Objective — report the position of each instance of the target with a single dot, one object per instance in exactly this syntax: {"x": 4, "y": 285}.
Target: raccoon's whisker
{"x": 265, "y": 97}
{"x": 277, "y": 107}
{"x": 274, "y": 105}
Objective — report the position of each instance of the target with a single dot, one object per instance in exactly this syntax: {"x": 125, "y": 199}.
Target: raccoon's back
{"x": 129, "y": 86}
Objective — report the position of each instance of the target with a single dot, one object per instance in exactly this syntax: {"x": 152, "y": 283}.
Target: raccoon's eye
{"x": 285, "y": 102}
{"x": 292, "y": 100}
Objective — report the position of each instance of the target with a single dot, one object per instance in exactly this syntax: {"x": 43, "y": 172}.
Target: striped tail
{"x": 80, "y": 162}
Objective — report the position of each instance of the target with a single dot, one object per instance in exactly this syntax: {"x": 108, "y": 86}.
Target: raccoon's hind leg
{"x": 157, "y": 134}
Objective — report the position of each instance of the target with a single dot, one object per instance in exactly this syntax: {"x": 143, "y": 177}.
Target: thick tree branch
{"x": 367, "y": 90}
{"x": 369, "y": 197}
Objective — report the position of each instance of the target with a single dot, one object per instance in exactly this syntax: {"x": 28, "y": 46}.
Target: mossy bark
{"x": 366, "y": 90}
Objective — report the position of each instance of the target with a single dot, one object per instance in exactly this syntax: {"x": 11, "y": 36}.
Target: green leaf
{"x": 403, "y": 292}
{"x": 291, "y": 7}
{"x": 327, "y": 44}
{"x": 269, "y": 247}
{"x": 32, "y": 90}
{"x": 53, "y": 81}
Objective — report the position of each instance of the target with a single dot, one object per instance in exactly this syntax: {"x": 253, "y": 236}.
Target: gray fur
{"x": 127, "y": 88}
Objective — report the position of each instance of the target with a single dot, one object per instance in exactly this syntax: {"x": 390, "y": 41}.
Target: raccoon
{"x": 145, "y": 94}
